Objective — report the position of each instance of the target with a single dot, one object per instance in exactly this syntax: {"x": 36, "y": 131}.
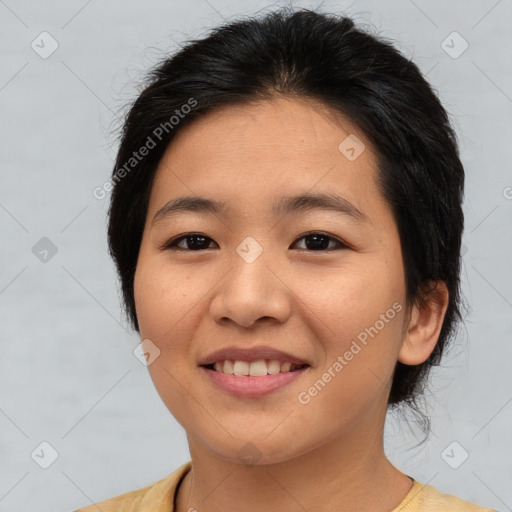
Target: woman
{"x": 286, "y": 222}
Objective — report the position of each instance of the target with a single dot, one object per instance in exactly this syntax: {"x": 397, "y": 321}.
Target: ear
{"x": 426, "y": 321}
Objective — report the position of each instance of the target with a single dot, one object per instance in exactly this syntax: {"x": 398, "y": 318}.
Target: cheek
{"x": 161, "y": 306}
{"x": 169, "y": 303}
{"x": 160, "y": 297}
{"x": 147, "y": 295}
{"x": 355, "y": 298}
{"x": 361, "y": 314}
{"x": 359, "y": 361}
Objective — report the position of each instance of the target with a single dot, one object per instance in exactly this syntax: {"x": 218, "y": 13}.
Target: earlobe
{"x": 425, "y": 325}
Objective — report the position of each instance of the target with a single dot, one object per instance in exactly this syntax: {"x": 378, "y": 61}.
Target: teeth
{"x": 254, "y": 369}
{"x": 273, "y": 367}
{"x": 241, "y": 368}
{"x": 228, "y": 367}
{"x": 285, "y": 367}
{"x": 257, "y": 368}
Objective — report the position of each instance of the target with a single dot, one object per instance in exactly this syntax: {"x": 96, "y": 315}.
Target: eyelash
{"x": 173, "y": 244}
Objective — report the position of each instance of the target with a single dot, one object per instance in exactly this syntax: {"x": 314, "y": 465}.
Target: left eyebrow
{"x": 303, "y": 203}
{"x": 297, "y": 204}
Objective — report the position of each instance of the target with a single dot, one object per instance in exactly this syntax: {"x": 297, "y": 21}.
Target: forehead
{"x": 248, "y": 156}
{"x": 287, "y": 126}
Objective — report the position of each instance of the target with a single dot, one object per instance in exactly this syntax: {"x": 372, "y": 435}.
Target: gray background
{"x": 68, "y": 375}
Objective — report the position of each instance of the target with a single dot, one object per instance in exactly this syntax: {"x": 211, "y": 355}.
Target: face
{"x": 324, "y": 285}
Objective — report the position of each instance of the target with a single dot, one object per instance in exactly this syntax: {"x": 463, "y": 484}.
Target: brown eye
{"x": 317, "y": 241}
{"x": 192, "y": 242}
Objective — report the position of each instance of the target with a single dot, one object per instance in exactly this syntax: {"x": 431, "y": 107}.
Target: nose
{"x": 251, "y": 292}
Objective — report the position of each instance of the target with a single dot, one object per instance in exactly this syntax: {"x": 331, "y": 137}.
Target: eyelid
{"x": 339, "y": 241}
{"x": 172, "y": 244}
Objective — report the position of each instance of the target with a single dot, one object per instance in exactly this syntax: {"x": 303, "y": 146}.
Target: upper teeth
{"x": 254, "y": 368}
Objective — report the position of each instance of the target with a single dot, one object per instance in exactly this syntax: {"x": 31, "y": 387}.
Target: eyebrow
{"x": 297, "y": 204}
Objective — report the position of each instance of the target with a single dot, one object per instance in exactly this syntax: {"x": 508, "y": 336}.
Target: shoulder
{"x": 152, "y": 498}
{"x": 426, "y": 498}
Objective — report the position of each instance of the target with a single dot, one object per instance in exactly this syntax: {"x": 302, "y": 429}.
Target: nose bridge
{"x": 249, "y": 278}
{"x": 250, "y": 290}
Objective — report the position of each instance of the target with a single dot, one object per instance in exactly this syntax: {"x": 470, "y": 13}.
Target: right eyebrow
{"x": 189, "y": 204}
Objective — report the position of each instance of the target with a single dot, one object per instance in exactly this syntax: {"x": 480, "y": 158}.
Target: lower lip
{"x": 252, "y": 387}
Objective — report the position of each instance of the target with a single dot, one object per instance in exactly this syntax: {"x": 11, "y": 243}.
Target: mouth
{"x": 253, "y": 379}
{"x": 259, "y": 368}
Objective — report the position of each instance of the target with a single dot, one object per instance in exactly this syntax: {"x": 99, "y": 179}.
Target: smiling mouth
{"x": 259, "y": 368}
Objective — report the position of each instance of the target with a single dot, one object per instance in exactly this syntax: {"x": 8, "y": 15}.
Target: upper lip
{"x": 250, "y": 354}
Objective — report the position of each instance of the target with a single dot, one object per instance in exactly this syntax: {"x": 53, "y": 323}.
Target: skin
{"x": 327, "y": 454}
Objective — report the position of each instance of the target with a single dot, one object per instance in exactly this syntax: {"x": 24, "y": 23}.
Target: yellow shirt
{"x": 159, "y": 497}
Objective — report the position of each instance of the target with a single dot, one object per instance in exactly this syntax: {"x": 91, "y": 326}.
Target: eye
{"x": 319, "y": 241}
{"x": 193, "y": 241}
